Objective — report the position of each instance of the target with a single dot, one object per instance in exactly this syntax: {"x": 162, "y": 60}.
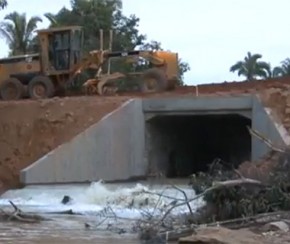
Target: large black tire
{"x": 11, "y": 89}
{"x": 41, "y": 87}
{"x": 153, "y": 80}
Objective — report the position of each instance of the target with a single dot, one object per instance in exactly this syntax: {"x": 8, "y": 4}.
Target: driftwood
{"x": 19, "y": 215}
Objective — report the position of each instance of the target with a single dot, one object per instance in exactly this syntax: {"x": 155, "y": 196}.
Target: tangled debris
{"x": 243, "y": 200}
{"x": 232, "y": 200}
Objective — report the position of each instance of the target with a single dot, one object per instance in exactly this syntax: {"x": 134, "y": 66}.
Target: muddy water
{"x": 106, "y": 213}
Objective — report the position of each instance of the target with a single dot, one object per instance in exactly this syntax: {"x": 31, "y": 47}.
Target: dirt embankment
{"x": 30, "y": 129}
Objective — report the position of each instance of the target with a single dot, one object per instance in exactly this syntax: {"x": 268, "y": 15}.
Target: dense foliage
{"x": 244, "y": 200}
{"x": 19, "y": 32}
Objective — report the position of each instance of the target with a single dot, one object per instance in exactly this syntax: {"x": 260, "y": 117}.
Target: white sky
{"x": 210, "y": 35}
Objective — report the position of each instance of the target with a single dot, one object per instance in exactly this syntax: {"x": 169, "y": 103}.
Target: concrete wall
{"x": 112, "y": 149}
{"x": 158, "y": 143}
{"x": 268, "y": 127}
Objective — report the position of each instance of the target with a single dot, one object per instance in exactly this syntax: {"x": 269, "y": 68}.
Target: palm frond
{"x": 255, "y": 57}
{"x": 236, "y": 66}
{"x": 18, "y": 32}
{"x": 51, "y": 18}
{"x": 31, "y": 26}
{"x": 7, "y": 32}
{"x": 242, "y": 71}
{"x": 261, "y": 73}
{"x": 277, "y": 72}
{"x": 264, "y": 65}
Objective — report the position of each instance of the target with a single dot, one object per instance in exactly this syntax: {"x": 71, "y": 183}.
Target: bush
{"x": 244, "y": 200}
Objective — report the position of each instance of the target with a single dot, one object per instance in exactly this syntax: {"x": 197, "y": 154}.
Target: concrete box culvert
{"x": 180, "y": 145}
{"x": 138, "y": 138}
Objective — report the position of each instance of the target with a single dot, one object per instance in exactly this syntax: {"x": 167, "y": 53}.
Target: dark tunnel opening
{"x": 179, "y": 146}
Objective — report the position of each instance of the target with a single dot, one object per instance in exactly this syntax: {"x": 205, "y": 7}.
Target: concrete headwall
{"x": 112, "y": 149}
{"x": 247, "y": 105}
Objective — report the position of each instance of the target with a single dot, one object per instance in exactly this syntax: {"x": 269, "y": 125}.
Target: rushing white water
{"x": 125, "y": 200}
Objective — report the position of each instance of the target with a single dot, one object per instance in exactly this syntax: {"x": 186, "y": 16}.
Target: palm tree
{"x": 18, "y": 32}
{"x": 251, "y": 68}
{"x": 52, "y": 19}
{"x": 283, "y": 70}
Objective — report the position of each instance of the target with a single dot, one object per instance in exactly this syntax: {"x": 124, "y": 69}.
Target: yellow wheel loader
{"x": 61, "y": 59}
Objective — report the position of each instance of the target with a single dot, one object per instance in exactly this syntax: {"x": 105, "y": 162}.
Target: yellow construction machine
{"x": 61, "y": 59}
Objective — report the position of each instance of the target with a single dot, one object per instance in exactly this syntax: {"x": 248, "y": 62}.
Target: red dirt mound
{"x": 30, "y": 129}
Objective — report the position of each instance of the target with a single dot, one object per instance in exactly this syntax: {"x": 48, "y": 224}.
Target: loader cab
{"x": 61, "y": 49}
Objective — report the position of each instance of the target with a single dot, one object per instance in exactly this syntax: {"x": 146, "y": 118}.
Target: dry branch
{"x": 265, "y": 140}
{"x": 185, "y": 198}
{"x": 162, "y": 195}
{"x": 18, "y": 215}
{"x": 216, "y": 185}
{"x": 261, "y": 219}
{"x": 159, "y": 228}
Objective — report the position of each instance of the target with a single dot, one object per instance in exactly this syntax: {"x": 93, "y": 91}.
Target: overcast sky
{"x": 210, "y": 35}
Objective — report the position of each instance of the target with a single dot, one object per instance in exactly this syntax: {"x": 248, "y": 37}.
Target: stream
{"x": 104, "y": 213}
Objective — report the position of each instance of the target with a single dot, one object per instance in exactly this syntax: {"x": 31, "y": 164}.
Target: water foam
{"x": 123, "y": 200}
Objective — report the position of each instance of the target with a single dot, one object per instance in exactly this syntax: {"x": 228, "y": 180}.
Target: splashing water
{"x": 125, "y": 200}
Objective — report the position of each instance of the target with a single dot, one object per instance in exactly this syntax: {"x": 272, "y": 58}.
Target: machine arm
{"x": 148, "y": 55}
{"x": 94, "y": 60}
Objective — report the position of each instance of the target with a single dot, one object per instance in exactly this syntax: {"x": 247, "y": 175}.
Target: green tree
{"x": 19, "y": 32}
{"x": 283, "y": 70}
{"x": 183, "y": 68}
{"x": 251, "y": 67}
{"x": 95, "y": 15}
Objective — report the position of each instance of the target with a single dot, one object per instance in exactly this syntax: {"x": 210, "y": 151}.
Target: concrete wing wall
{"x": 112, "y": 149}
{"x": 266, "y": 125}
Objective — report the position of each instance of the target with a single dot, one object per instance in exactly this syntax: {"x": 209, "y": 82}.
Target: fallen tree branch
{"x": 174, "y": 235}
{"x": 18, "y": 215}
{"x": 265, "y": 140}
{"x": 185, "y": 198}
{"x": 216, "y": 185}
{"x": 162, "y": 195}
{"x": 261, "y": 219}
